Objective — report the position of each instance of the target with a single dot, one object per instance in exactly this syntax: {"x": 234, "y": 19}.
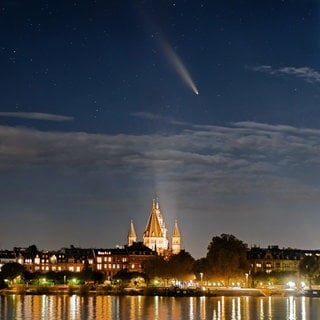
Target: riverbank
{"x": 151, "y": 291}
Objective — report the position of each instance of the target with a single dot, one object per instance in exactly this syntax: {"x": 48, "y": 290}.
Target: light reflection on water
{"x": 158, "y": 308}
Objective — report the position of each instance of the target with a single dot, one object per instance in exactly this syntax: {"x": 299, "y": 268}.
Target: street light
{"x": 246, "y": 284}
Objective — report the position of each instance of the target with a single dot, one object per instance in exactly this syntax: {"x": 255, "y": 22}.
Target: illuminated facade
{"x": 66, "y": 259}
{"x": 130, "y": 258}
{"x": 274, "y": 259}
{"x": 176, "y": 239}
{"x": 132, "y": 237}
{"x": 107, "y": 261}
{"x": 155, "y": 234}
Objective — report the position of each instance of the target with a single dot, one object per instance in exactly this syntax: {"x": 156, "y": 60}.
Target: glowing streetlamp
{"x": 246, "y": 282}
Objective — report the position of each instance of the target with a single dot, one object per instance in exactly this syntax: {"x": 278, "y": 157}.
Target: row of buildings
{"x": 107, "y": 261}
{"x": 275, "y": 259}
{"x": 134, "y": 254}
{"x": 130, "y": 257}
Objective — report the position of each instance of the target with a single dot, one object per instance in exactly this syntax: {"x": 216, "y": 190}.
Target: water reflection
{"x": 269, "y": 308}
{"x": 261, "y": 309}
{"x": 303, "y": 308}
{"x": 139, "y": 307}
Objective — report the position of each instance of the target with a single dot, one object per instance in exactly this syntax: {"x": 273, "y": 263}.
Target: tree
{"x": 2, "y": 283}
{"x": 227, "y": 257}
{"x": 32, "y": 250}
{"x": 180, "y": 266}
{"x": 11, "y": 270}
{"x": 28, "y": 276}
{"x": 310, "y": 267}
{"x": 201, "y": 266}
{"x": 87, "y": 274}
{"x": 131, "y": 278}
{"x": 156, "y": 267}
{"x": 274, "y": 278}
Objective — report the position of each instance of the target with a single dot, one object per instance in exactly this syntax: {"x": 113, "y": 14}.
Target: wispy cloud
{"x": 157, "y": 117}
{"x": 227, "y": 145}
{"x": 36, "y": 116}
{"x": 230, "y": 155}
{"x": 308, "y": 74}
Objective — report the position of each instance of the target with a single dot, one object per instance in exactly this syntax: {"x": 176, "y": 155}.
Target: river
{"x": 52, "y": 307}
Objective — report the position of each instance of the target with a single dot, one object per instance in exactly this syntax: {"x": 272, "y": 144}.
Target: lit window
{"x": 99, "y": 266}
{"x": 99, "y": 259}
{"x": 132, "y": 266}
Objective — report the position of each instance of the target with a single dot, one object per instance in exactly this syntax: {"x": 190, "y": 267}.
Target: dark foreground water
{"x": 140, "y": 307}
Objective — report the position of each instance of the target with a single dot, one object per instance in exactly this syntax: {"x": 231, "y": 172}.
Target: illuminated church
{"x": 155, "y": 234}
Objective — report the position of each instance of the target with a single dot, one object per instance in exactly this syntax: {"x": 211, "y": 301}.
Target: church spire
{"x": 176, "y": 231}
{"x": 176, "y": 239}
{"x": 155, "y": 234}
{"x": 132, "y": 237}
{"x": 153, "y": 228}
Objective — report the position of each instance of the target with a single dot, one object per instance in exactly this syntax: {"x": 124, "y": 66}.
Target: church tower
{"x": 155, "y": 234}
{"x": 161, "y": 221}
{"x": 176, "y": 239}
{"x": 132, "y": 237}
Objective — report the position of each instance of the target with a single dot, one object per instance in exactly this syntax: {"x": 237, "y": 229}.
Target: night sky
{"x": 211, "y": 106}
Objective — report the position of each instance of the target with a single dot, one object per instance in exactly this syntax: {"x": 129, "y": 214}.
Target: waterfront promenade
{"x": 153, "y": 291}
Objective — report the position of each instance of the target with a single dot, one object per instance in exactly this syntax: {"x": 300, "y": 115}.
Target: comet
{"x": 179, "y": 67}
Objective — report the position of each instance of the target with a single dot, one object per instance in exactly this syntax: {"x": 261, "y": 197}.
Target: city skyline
{"x": 210, "y": 106}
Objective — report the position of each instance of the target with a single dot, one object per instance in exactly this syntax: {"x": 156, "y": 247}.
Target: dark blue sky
{"x": 97, "y": 117}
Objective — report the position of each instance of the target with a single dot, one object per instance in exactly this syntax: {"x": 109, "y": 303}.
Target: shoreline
{"x": 168, "y": 292}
